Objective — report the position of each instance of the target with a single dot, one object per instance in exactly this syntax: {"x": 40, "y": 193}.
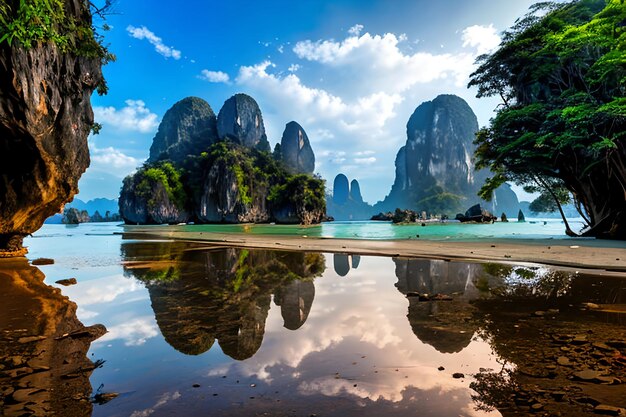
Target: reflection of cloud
{"x": 349, "y": 322}
{"x": 134, "y": 332}
{"x": 103, "y": 290}
{"x": 164, "y": 399}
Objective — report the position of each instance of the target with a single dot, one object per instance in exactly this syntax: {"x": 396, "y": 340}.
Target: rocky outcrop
{"x": 347, "y": 202}
{"x": 188, "y": 128}
{"x": 477, "y": 214}
{"x": 355, "y": 191}
{"x": 240, "y": 120}
{"x": 223, "y": 200}
{"x": 231, "y": 179}
{"x": 74, "y": 216}
{"x": 437, "y": 161}
{"x": 341, "y": 189}
{"x": 45, "y": 117}
{"x": 144, "y": 200}
{"x": 296, "y": 151}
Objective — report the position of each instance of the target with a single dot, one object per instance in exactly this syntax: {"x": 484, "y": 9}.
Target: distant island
{"x": 208, "y": 169}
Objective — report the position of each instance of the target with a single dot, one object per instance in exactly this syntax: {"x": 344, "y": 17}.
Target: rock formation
{"x": 45, "y": 117}
{"x": 296, "y": 151}
{"x": 230, "y": 179}
{"x": 347, "y": 202}
{"x": 437, "y": 161}
{"x": 341, "y": 189}
{"x": 240, "y": 120}
{"x": 145, "y": 199}
{"x": 188, "y": 128}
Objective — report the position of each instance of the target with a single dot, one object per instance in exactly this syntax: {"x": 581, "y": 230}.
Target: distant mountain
{"x": 101, "y": 205}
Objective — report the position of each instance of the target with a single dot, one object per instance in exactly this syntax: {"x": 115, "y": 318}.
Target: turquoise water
{"x": 531, "y": 229}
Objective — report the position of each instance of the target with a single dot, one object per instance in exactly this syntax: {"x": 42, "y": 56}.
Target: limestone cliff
{"x": 435, "y": 169}
{"x": 347, "y": 202}
{"x": 297, "y": 153}
{"x": 45, "y": 117}
{"x": 188, "y": 128}
{"x": 240, "y": 119}
{"x": 227, "y": 179}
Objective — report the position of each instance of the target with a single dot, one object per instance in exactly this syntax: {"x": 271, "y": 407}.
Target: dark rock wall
{"x": 297, "y": 153}
{"x": 157, "y": 209}
{"x": 45, "y": 118}
{"x": 240, "y": 119}
{"x": 188, "y": 128}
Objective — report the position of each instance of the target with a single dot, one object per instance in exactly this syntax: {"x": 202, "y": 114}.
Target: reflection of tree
{"x": 43, "y": 347}
{"x": 512, "y": 321}
{"x": 222, "y": 294}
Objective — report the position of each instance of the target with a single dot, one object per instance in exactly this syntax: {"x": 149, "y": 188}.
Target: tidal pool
{"x": 217, "y": 331}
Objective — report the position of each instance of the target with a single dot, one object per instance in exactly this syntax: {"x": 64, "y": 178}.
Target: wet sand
{"x": 584, "y": 253}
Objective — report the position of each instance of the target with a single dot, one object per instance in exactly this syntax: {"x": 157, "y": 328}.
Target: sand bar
{"x": 584, "y": 253}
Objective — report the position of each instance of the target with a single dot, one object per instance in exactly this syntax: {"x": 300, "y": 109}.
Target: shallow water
{"x": 532, "y": 229}
{"x": 247, "y": 332}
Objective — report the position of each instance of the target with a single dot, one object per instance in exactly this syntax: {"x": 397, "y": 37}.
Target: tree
{"x": 561, "y": 74}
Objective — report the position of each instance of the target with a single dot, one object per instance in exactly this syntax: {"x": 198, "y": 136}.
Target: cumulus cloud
{"x": 484, "y": 38}
{"x": 383, "y": 63}
{"x": 135, "y": 116}
{"x": 110, "y": 157}
{"x": 164, "y": 399}
{"x": 215, "y": 76}
{"x": 294, "y": 67}
{"x": 145, "y": 33}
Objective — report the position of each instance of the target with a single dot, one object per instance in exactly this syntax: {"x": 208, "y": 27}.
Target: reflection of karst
{"x": 295, "y": 301}
{"x": 445, "y": 325}
{"x": 200, "y": 296}
{"x": 43, "y": 347}
{"x": 343, "y": 262}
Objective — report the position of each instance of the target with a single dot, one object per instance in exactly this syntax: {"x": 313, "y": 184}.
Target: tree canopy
{"x": 561, "y": 128}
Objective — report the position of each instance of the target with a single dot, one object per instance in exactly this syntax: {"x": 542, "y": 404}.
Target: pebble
{"x": 42, "y": 261}
{"x": 67, "y": 282}
{"x": 458, "y": 375}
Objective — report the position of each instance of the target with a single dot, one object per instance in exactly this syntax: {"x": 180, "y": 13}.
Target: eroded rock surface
{"x": 297, "y": 153}
{"x": 45, "y": 118}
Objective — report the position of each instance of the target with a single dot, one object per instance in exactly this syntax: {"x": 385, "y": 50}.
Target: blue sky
{"x": 350, "y": 72}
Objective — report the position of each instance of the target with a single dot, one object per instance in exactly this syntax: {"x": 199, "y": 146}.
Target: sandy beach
{"x": 584, "y": 254}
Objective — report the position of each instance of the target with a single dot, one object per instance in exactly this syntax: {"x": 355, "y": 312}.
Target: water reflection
{"x": 202, "y": 296}
{"x": 343, "y": 262}
{"x": 43, "y": 347}
{"x": 365, "y": 346}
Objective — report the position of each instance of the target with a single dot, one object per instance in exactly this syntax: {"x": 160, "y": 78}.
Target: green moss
{"x": 168, "y": 176}
{"x": 27, "y": 23}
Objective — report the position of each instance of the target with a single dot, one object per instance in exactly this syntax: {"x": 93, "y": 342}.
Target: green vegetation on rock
{"x": 561, "y": 74}
{"x": 165, "y": 174}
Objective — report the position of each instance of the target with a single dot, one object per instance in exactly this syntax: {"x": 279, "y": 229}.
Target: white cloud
{"x": 365, "y": 153}
{"x": 355, "y": 30}
{"x": 145, "y": 33}
{"x": 294, "y": 67}
{"x": 367, "y": 112}
{"x": 164, "y": 399}
{"x": 484, "y": 38}
{"x": 135, "y": 116}
{"x": 112, "y": 160}
{"x": 215, "y": 76}
{"x": 381, "y": 65}
{"x": 365, "y": 161}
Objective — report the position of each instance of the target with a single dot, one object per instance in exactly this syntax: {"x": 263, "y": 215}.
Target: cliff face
{"x": 437, "y": 160}
{"x": 188, "y": 128}
{"x": 230, "y": 179}
{"x": 222, "y": 200}
{"x": 145, "y": 199}
{"x": 297, "y": 153}
{"x": 347, "y": 202}
{"x": 240, "y": 119}
{"x": 45, "y": 117}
